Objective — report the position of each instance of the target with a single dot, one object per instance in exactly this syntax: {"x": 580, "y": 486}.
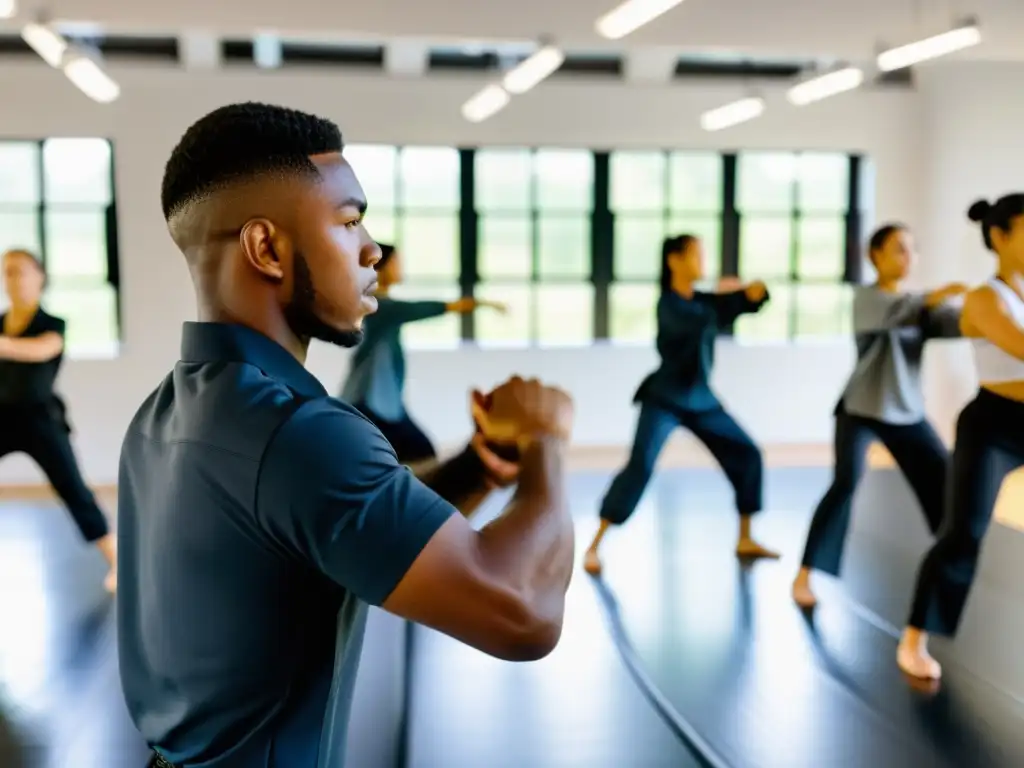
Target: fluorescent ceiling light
{"x": 485, "y": 104}
{"x": 632, "y": 15}
{"x": 732, "y": 114}
{"x": 91, "y": 79}
{"x": 8, "y": 8}
{"x": 533, "y": 70}
{"x": 48, "y": 44}
{"x": 929, "y": 48}
{"x": 823, "y": 86}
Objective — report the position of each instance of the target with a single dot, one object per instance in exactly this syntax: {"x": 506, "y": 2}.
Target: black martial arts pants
{"x": 42, "y": 431}
{"x": 920, "y": 456}
{"x": 731, "y": 446}
{"x": 989, "y": 446}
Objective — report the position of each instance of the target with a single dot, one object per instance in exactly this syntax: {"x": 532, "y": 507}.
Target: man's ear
{"x": 261, "y": 245}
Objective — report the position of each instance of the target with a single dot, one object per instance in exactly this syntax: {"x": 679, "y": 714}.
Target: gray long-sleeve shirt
{"x": 890, "y": 330}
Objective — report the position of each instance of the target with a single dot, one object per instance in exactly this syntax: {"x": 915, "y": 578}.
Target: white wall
{"x": 922, "y": 143}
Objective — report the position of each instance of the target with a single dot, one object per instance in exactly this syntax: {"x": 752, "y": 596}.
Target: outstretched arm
{"x": 746, "y": 299}
{"x": 943, "y": 294}
{"x": 466, "y": 305}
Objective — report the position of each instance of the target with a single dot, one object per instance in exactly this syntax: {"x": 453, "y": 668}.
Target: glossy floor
{"x": 763, "y": 685}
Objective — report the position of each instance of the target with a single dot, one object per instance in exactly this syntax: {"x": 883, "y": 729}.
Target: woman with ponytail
{"x": 989, "y": 437}
{"x": 678, "y": 394}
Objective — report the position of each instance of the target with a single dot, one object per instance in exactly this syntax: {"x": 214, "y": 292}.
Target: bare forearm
{"x": 529, "y": 546}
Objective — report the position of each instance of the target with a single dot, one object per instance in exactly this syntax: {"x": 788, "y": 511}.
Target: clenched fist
{"x": 521, "y": 411}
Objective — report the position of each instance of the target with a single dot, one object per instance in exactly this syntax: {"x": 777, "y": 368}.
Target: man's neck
{"x": 270, "y": 324}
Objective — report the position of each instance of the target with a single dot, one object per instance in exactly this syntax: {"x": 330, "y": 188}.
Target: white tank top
{"x": 994, "y": 365}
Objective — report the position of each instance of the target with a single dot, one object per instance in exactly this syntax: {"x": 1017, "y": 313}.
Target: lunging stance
{"x": 33, "y": 415}
{"x": 883, "y": 400}
{"x": 989, "y": 438}
{"x": 678, "y": 394}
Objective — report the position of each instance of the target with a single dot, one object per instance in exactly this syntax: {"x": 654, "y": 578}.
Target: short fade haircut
{"x": 240, "y": 142}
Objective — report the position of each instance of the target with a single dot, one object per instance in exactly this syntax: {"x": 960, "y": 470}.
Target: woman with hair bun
{"x": 678, "y": 394}
{"x": 989, "y": 437}
{"x": 883, "y": 400}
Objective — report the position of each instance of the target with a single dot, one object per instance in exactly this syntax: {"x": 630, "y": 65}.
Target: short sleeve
{"x": 331, "y": 490}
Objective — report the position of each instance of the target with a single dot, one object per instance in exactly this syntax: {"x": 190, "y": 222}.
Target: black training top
{"x": 24, "y": 383}
{"x": 257, "y": 518}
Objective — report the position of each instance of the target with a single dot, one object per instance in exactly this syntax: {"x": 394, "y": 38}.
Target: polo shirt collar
{"x": 225, "y": 342}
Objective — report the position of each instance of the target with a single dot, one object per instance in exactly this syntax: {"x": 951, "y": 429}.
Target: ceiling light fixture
{"x": 732, "y": 114}
{"x": 50, "y": 45}
{"x": 533, "y": 70}
{"x": 486, "y": 103}
{"x": 964, "y": 36}
{"x": 631, "y": 15}
{"x": 90, "y": 79}
{"x": 823, "y": 86}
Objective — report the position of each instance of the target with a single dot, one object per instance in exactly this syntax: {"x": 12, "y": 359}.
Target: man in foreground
{"x": 259, "y": 517}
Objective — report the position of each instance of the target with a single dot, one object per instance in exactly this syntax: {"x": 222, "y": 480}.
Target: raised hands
{"x": 520, "y": 411}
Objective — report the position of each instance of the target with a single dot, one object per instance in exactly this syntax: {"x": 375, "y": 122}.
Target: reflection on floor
{"x": 578, "y": 707}
{"x": 762, "y": 684}
{"x": 767, "y": 686}
{"x": 60, "y": 699}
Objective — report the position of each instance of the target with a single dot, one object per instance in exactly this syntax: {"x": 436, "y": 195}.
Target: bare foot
{"x": 110, "y": 583}
{"x": 750, "y": 548}
{"x": 592, "y": 562}
{"x": 913, "y": 658}
{"x": 803, "y": 595}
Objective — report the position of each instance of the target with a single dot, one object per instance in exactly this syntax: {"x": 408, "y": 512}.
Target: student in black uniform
{"x": 33, "y": 417}
{"x": 989, "y": 438}
{"x": 678, "y": 394}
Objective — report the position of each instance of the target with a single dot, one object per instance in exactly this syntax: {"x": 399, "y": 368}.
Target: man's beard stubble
{"x": 301, "y": 311}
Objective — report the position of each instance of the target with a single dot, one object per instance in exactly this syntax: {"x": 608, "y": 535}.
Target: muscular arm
{"x": 985, "y": 316}
{"x": 36, "y": 349}
{"x": 368, "y": 524}
{"x": 505, "y": 584}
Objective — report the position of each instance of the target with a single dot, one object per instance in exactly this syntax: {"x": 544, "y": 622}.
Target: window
{"x": 57, "y": 200}
{"x": 534, "y": 220}
{"x": 414, "y": 201}
{"x": 654, "y": 195}
{"x": 570, "y": 239}
{"x": 793, "y": 234}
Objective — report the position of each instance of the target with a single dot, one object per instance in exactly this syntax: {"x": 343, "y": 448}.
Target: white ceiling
{"x": 849, "y": 29}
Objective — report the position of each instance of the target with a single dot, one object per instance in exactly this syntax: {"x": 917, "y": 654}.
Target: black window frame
{"x": 602, "y": 234}
{"x": 42, "y": 207}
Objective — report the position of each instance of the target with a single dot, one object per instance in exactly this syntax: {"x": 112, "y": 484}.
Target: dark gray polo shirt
{"x": 257, "y": 518}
